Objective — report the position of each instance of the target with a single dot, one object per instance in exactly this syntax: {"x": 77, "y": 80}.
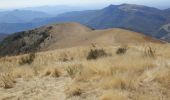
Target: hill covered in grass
{"x": 65, "y": 35}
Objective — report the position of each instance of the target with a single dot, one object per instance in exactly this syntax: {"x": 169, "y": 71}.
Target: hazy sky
{"x": 30, "y": 3}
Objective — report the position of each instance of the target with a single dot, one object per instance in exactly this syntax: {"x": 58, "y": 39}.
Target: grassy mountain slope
{"x": 67, "y": 74}
{"x": 67, "y": 35}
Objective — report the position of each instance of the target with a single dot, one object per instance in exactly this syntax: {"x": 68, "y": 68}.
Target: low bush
{"x": 28, "y": 59}
{"x": 121, "y": 50}
{"x": 96, "y": 53}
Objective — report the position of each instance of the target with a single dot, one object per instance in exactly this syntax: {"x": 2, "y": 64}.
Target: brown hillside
{"x": 67, "y": 35}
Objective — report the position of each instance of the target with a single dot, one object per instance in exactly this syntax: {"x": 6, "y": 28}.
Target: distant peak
{"x": 111, "y": 6}
{"x": 132, "y": 8}
{"x": 124, "y": 6}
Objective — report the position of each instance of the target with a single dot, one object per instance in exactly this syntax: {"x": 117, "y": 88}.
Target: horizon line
{"x": 82, "y": 6}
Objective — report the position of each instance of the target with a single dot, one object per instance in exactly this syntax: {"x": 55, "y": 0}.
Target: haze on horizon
{"x": 8, "y": 4}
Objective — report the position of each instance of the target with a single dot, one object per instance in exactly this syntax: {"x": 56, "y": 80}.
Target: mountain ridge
{"x": 66, "y": 35}
{"x": 139, "y": 18}
{"x": 146, "y": 20}
{"x": 20, "y": 16}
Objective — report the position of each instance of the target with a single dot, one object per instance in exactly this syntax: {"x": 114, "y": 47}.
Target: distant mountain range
{"x": 148, "y": 20}
{"x": 55, "y": 10}
{"x": 19, "y": 20}
{"x": 9, "y": 28}
{"x": 12, "y": 21}
{"x": 138, "y": 18}
{"x": 20, "y": 16}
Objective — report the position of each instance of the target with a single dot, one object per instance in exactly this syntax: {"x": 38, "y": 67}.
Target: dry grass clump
{"x": 73, "y": 90}
{"x": 52, "y": 72}
{"x": 150, "y": 52}
{"x": 28, "y": 59}
{"x": 121, "y": 50}
{"x": 63, "y": 57}
{"x": 7, "y": 80}
{"x": 96, "y": 53}
{"x": 74, "y": 70}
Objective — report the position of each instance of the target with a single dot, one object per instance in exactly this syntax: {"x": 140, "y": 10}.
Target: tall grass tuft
{"x": 121, "y": 50}
{"x": 28, "y": 59}
{"x": 150, "y": 52}
{"x": 96, "y": 53}
{"x": 7, "y": 81}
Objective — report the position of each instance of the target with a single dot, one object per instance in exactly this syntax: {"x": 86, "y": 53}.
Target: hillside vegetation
{"x": 2, "y": 36}
{"x": 97, "y": 72}
{"x": 66, "y": 35}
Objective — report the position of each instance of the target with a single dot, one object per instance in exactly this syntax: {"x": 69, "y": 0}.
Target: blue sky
{"x": 33, "y": 3}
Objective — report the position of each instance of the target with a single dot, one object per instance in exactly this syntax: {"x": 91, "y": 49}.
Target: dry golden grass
{"x": 113, "y": 95}
{"x": 7, "y": 80}
{"x": 132, "y": 75}
{"x": 53, "y": 72}
{"x": 73, "y": 90}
